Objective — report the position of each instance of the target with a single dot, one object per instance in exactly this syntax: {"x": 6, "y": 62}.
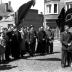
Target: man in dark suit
{"x": 50, "y": 37}
{"x": 8, "y": 39}
{"x": 26, "y": 36}
{"x": 66, "y": 39}
{"x": 41, "y": 41}
{"x": 16, "y": 44}
{"x": 32, "y": 40}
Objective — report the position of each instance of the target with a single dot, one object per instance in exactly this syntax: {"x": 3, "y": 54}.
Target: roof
{"x": 2, "y": 7}
{"x": 4, "y": 13}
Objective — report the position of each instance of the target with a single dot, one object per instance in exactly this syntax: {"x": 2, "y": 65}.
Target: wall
{"x": 33, "y": 18}
{"x": 51, "y": 18}
{"x": 5, "y": 24}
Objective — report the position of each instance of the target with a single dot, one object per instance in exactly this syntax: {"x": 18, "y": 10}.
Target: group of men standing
{"x": 27, "y": 40}
{"x": 45, "y": 41}
{"x": 39, "y": 41}
{"x": 12, "y": 41}
{"x": 18, "y": 42}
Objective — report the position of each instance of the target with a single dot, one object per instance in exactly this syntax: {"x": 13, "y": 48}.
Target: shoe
{"x": 22, "y": 56}
{"x": 31, "y": 55}
{"x": 8, "y": 59}
{"x": 0, "y": 61}
{"x": 63, "y": 66}
{"x": 69, "y": 65}
{"x": 51, "y": 52}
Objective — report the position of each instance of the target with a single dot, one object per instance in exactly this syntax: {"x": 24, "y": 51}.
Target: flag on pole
{"x": 22, "y": 11}
{"x": 34, "y": 2}
{"x": 61, "y": 20}
{"x": 68, "y": 19}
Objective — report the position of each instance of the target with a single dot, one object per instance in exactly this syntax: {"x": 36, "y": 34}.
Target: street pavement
{"x": 46, "y": 63}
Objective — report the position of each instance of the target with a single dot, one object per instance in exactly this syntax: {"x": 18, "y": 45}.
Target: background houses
{"x": 52, "y": 10}
{"x": 6, "y": 14}
{"x": 7, "y": 17}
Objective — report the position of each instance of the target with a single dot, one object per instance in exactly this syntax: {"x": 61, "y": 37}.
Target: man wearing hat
{"x": 9, "y": 45}
{"x": 50, "y": 37}
{"x": 66, "y": 40}
{"x": 41, "y": 41}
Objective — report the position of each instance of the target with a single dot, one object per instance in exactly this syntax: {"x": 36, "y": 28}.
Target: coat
{"x": 2, "y": 49}
{"x": 22, "y": 44}
{"x": 32, "y": 36}
{"x": 50, "y": 35}
{"x": 65, "y": 39}
{"x": 41, "y": 35}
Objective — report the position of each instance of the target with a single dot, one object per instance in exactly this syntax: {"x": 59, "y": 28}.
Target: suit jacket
{"x": 32, "y": 36}
{"x": 50, "y": 35}
{"x": 65, "y": 39}
{"x": 8, "y": 36}
{"x": 26, "y": 36}
{"x": 41, "y": 35}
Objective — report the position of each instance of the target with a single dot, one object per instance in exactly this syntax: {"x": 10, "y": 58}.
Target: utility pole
{"x": 44, "y": 17}
{"x": 1, "y": 2}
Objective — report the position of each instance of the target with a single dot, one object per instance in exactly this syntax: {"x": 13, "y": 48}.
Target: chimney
{"x": 0, "y": 1}
{"x": 9, "y": 3}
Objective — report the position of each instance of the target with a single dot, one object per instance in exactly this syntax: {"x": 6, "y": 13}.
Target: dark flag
{"x": 61, "y": 20}
{"x": 68, "y": 19}
{"x": 22, "y": 11}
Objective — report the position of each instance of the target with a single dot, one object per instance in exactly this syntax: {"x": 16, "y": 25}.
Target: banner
{"x": 22, "y": 11}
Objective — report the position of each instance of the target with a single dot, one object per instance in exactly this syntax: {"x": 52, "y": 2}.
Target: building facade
{"x": 52, "y": 10}
{"x": 6, "y": 14}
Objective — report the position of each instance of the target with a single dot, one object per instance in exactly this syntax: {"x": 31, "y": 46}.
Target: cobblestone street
{"x": 47, "y": 63}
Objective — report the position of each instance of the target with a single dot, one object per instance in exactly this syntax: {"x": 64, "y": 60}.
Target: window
{"x": 70, "y": 5}
{"x": 67, "y": 6}
{"x": 52, "y": 8}
{"x": 55, "y": 8}
{"x": 49, "y": 8}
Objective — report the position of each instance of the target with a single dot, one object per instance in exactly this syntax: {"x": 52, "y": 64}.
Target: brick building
{"x": 33, "y": 18}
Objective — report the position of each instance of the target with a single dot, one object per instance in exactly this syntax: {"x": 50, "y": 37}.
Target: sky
{"x": 17, "y": 3}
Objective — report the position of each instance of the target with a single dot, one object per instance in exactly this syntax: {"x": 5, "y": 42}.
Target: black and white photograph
{"x": 35, "y": 35}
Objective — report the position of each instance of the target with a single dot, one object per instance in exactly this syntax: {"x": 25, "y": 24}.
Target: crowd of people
{"x": 15, "y": 43}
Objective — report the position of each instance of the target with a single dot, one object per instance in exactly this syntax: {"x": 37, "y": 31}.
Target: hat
{"x": 41, "y": 27}
{"x": 31, "y": 26}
